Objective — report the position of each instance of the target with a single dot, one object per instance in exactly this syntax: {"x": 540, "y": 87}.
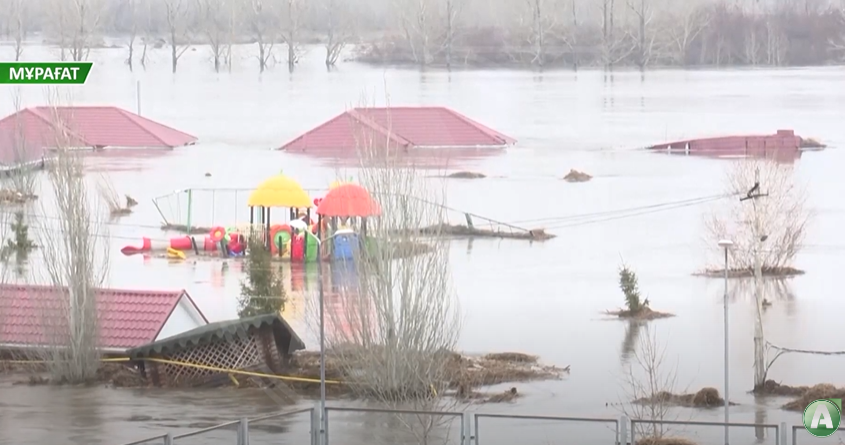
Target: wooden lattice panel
{"x": 236, "y": 354}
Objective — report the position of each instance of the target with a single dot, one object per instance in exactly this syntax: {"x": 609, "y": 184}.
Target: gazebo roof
{"x": 279, "y": 191}
{"x": 348, "y": 200}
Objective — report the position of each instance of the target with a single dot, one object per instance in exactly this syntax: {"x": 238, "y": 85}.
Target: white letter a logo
{"x": 822, "y": 415}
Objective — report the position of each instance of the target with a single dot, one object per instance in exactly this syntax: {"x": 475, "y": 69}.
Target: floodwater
{"x": 544, "y": 298}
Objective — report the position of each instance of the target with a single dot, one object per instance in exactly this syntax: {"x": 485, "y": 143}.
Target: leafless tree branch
{"x": 73, "y": 265}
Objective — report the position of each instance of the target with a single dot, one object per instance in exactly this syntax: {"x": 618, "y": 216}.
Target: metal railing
{"x": 780, "y": 430}
{"x": 624, "y": 429}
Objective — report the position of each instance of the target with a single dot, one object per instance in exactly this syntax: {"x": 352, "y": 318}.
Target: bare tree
{"x": 452, "y": 12}
{"x": 610, "y": 41}
{"x": 543, "y": 21}
{"x": 75, "y": 23}
{"x": 76, "y": 261}
{"x": 263, "y": 15}
{"x": 683, "y": 27}
{"x": 648, "y": 386}
{"x": 149, "y": 36}
{"x": 176, "y": 15}
{"x": 291, "y": 17}
{"x": 781, "y": 216}
{"x": 417, "y": 20}
{"x": 22, "y": 180}
{"x": 570, "y": 34}
{"x": 132, "y": 15}
{"x": 19, "y": 18}
{"x": 340, "y": 27}
{"x": 397, "y": 327}
{"x": 644, "y": 14}
{"x": 767, "y": 228}
{"x": 215, "y": 25}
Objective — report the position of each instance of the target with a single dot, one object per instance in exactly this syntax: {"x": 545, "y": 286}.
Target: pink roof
{"x": 128, "y": 318}
{"x": 399, "y": 127}
{"x": 85, "y": 126}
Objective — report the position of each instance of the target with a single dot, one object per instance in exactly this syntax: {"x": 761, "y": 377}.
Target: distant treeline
{"x": 456, "y": 33}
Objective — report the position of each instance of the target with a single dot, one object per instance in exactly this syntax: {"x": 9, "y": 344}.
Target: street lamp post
{"x": 726, "y": 245}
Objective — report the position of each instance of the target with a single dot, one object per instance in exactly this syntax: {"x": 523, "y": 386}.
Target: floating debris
{"x": 466, "y": 175}
{"x": 460, "y": 230}
{"x": 577, "y": 176}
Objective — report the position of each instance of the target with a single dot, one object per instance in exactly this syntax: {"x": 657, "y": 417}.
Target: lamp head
{"x": 726, "y": 244}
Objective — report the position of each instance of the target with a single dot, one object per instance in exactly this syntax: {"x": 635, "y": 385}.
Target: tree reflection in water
{"x": 631, "y": 339}
{"x": 774, "y": 291}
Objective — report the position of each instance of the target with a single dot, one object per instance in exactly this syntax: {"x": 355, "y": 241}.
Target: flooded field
{"x": 544, "y": 298}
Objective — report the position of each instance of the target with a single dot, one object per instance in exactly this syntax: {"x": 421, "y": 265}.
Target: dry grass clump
{"x": 11, "y": 196}
{"x": 643, "y": 314}
{"x": 464, "y": 373}
{"x": 704, "y": 398}
{"x": 820, "y": 391}
{"x": 577, "y": 176}
{"x": 664, "y": 441}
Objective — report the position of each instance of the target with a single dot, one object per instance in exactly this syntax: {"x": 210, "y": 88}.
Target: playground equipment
{"x": 346, "y": 201}
{"x": 292, "y": 240}
{"x": 297, "y": 237}
{"x": 232, "y": 243}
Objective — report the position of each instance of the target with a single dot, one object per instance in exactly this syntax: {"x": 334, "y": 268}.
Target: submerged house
{"x": 401, "y": 128}
{"x": 208, "y": 354}
{"x": 34, "y": 316}
{"x": 28, "y": 136}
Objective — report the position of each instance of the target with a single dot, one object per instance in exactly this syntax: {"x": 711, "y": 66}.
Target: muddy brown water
{"x": 545, "y": 298}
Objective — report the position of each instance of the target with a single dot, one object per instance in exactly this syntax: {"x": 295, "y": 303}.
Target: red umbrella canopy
{"x": 348, "y": 200}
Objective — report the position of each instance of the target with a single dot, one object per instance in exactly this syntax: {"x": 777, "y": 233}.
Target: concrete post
{"x": 315, "y": 425}
{"x": 623, "y": 431}
{"x": 243, "y": 431}
{"x": 168, "y": 439}
{"x": 466, "y": 429}
{"x": 781, "y": 440}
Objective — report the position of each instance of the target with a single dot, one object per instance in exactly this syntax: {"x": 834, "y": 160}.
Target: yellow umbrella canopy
{"x": 279, "y": 191}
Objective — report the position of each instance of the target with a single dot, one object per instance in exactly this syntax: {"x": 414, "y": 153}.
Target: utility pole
{"x": 759, "y": 239}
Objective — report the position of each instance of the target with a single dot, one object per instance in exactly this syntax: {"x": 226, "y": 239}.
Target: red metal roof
{"x": 128, "y": 318}
{"x": 783, "y": 145}
{"x": 86, "y": 126}
{"x": 399, "y": 127}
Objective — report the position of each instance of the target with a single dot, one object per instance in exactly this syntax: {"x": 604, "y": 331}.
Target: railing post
{"x": 315, "y": 425}
{"x": 466, "y": 429}
{"x": 633, "y": 432}
{"x": 794, "y": 436}
{"x": 475, "y": 426}
{"x": 243, "y": 431}
{"x": 168, "y": 439}
{"x": 622, "y": 433}
{"x": 782, "y": 434}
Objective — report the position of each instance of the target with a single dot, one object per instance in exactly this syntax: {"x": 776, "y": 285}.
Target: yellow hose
{"x": 195, "y": 365}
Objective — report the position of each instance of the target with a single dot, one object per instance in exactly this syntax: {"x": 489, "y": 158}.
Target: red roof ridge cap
{"x": 36, "y": 111}
{"x": 311, "y": 131}
{"x": 357, "y": 115}
{"x": 143, "y": 120}
{"x": 481, "y": 127}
